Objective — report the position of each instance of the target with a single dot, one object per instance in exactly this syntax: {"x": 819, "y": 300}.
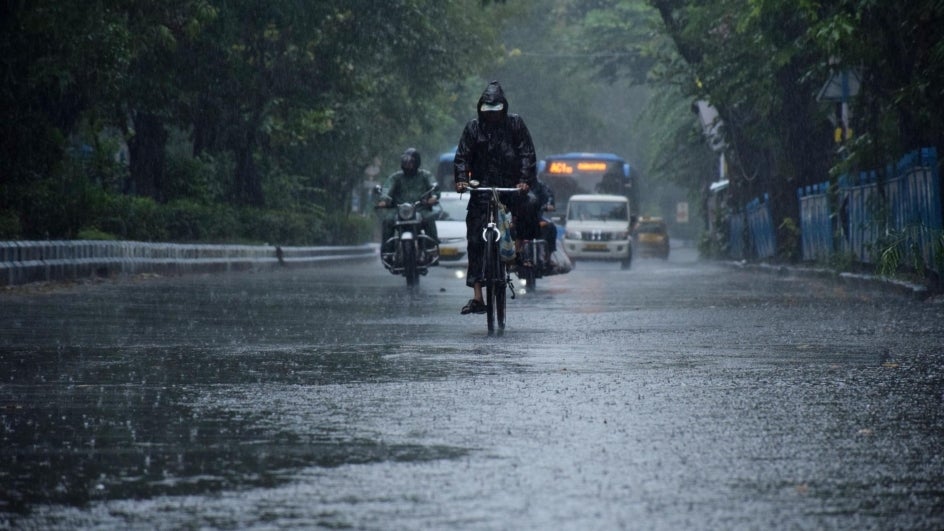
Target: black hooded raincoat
{"x": 495, "y": 154}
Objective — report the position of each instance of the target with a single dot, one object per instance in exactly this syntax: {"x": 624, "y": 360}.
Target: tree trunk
{"x": 147, "y": 155}
{"x": 248, "y": 184}
{"x": 206, "y": 122}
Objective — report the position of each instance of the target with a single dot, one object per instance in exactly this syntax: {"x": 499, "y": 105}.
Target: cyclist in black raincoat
{"x": 496, "y": 150}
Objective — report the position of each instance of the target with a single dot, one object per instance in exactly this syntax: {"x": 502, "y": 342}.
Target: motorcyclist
{"x": 531, "y": 223}
{"x": 495, "y": 149}
{"x": 545, "y": 201}
{"x": 406, "y": 186}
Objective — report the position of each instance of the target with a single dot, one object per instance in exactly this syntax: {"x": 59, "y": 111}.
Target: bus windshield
{"x": 587, "y": 173}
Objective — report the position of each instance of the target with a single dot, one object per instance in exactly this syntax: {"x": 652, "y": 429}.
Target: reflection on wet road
{"x": 674, "y": 395}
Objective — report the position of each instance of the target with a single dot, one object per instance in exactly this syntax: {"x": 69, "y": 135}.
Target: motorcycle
{"x": 533, "y": 259}
{"x": 410, "y": 251}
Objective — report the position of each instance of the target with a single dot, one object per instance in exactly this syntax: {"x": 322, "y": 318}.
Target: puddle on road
{"x": 80, "y": 426}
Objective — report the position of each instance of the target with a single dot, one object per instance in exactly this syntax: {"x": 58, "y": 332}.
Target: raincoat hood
{"x": 495, "y": 152}
{"x": 492, "y": 95}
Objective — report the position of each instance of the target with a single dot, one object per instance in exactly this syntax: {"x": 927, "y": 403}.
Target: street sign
{"x": 681, "y": 212}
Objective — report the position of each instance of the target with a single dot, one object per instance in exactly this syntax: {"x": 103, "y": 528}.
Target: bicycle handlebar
{"x": 473, "y": 186}
{"x": 493, "y": 189}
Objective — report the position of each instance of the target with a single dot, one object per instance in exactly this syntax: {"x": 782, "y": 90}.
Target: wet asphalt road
{"x": 676, "y": 395}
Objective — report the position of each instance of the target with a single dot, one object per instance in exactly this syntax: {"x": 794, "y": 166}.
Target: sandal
{"x": 473, "y": 306}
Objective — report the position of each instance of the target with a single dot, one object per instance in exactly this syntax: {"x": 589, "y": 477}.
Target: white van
{"x": 598, "y": 227}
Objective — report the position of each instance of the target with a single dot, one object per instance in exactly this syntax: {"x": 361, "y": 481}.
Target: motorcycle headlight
{"x": 405, "y": 211}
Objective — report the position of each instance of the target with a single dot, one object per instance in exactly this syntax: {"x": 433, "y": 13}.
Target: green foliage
{"x": 132, "y": 218}
{"x": 349, "y": 229}
{"x": 622, "y": 40}
{"x": 551, "y": 77}
{"x": 678, "y": 153}
{"x": 10, "y": 228}
{"x": 278, "y": 227}
{"x": 842, "y": 261}
{"x": 711, "y": 246}
{"x": 761, "y": 63}
{"x": 897, "y": 49}
{"x": 898, "y": 252}
{"x": 187, "y": 220}
{"x": 788, "y": 240}
{"x": 238, "y": 109}
{"x": 143, "y": 219}
{"x": 279, "y": 105}
{"x": 200, "y": 179}
{"x": 92, "y": 233}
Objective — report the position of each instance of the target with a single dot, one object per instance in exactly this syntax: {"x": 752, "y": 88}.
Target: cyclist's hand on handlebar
{"x": 462, "y": 186}
{"x": 432, "y": 200}
{"x": 523, "y": 187}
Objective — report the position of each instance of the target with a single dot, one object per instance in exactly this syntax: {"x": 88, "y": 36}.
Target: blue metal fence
{"x": 906, "y": 210}
{"x": 751, "y": 232}
{"x": 816, "y": 233}
{"x": 858, "y": 199}
{"x": 737, "y": 223}
{"x": 760, "y": 220}
{"x": 919, "y": 212}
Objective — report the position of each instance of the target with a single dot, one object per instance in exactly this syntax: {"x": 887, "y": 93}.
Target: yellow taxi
{"x": 652, "y": 237}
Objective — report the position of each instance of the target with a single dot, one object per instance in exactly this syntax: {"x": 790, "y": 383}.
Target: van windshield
{"x": 597, "y": 211}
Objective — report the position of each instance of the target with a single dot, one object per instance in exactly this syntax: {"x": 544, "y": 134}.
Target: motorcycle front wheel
{"x": 409, "y": 264}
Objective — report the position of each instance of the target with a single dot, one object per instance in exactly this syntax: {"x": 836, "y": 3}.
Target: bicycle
{"x": 496, "y": 275}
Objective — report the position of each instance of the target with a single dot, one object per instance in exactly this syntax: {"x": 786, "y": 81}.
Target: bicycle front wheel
{"x": 491, "y": 274}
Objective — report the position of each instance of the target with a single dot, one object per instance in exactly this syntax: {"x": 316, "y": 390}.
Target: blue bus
{"x": 444, "y": 170}
{"x": 589, "y": 173}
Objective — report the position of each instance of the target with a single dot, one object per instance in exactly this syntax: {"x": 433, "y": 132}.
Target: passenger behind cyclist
{"x": 407, "y": 186}
{"x": 532, "y": 224}
{"x": 496, "y": 150}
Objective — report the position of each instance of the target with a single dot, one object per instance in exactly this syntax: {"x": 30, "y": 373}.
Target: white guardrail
{"x": 22, "y": 262}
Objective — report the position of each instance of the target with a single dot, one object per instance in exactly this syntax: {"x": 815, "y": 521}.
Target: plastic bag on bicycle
{"x": 506, "y": 246}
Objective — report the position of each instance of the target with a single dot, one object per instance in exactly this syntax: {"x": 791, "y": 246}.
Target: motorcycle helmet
{"x": 410, "y": 161}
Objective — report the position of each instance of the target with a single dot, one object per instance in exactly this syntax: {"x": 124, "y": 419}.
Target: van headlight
{"x": 572, "y": 234}
{"x": 623, "y": 235}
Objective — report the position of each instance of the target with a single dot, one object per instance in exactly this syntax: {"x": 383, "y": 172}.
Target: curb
{"x": 891, "y": 285}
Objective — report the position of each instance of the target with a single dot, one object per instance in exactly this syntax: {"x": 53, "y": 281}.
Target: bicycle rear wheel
{"x": 500, "y": 296}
